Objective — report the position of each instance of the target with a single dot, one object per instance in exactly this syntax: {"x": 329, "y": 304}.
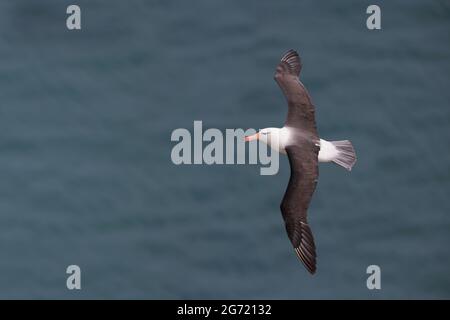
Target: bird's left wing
{"x": 302, "y": 183}
{"x": 301, "y": 112}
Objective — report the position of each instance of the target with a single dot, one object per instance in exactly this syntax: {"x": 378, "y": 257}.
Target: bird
{"x": 299, "y": 140}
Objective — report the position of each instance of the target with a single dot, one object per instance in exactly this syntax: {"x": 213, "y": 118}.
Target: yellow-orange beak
{"x": 252, "y": 137}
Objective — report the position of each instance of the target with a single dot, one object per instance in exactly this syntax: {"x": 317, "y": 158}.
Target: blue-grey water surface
{"x": 86, "y": 174}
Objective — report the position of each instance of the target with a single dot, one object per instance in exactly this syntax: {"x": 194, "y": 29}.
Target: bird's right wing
{"x": 301, "y": 110}
{"x": 302, "y": 183}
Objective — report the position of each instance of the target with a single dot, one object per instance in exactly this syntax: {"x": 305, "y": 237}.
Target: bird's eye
{"x": 265, "y": 133}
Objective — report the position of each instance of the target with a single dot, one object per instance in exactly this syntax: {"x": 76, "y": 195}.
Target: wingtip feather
{"x": 306, "y": 250}
{"x": 292, "y": 59}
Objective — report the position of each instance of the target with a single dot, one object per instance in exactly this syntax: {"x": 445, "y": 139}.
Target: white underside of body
{"x": 340, "y": 152}
{"x": 327, "y": 153}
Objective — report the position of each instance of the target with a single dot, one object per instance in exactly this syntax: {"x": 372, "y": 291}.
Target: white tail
{"x": 346, "y": 156}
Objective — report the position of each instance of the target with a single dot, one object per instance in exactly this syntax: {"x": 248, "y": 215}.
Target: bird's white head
{"x": 270, "y": 136}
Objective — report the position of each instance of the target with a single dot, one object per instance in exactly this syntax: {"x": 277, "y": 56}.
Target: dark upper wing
{"x": 302, "y": 183}
{"x": 301, "y": 109}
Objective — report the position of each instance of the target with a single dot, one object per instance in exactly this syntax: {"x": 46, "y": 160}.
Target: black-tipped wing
{"x": 302, "y": 183}
{"x": 301, "y": 110}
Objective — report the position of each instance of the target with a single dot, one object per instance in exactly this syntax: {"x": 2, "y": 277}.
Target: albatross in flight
{"x": 300, "y": 141}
